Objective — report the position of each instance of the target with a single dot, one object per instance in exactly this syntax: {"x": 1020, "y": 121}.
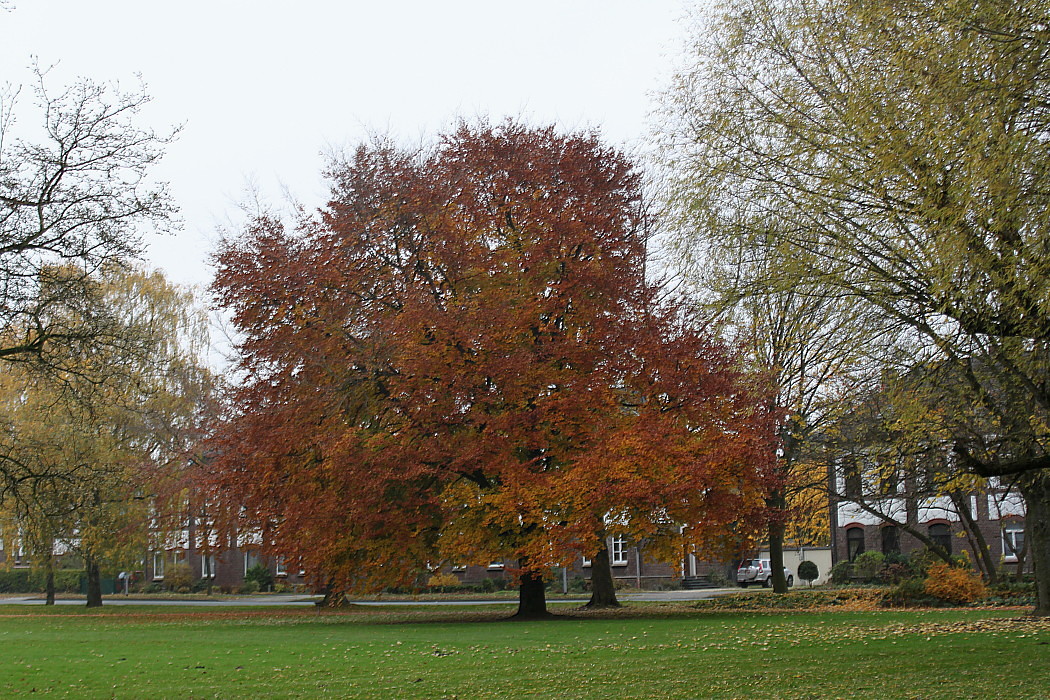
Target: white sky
{"x": 264, "y": 87}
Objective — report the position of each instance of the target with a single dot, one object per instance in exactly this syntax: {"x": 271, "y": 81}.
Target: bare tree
{"x": 74, "y": 195}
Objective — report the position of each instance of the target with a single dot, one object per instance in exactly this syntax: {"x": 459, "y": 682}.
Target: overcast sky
{"x": 262, "y": 88}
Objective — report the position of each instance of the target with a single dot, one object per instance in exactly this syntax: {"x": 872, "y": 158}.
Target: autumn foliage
{"x": 954, "y": 584}
{"x": 460, "y": 359}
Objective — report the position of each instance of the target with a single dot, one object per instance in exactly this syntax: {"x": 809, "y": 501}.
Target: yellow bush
{"x": 443, "y": 580}
{"x": 953, "y": 584}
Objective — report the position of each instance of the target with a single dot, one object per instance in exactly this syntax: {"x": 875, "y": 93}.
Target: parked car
{"x": 759, "y": 571}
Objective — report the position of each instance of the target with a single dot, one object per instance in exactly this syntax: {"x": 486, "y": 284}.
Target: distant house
{"x": 880, "y": 521}
{"x": 221, "y": 559}
{"x": 630, "y": 568}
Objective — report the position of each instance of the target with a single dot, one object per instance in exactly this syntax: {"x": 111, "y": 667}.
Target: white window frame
{"x": 618, "y": 550}
{"x": 159, "y": 558}
{"x": 250, "y": 560}
{"x": 496, "y": 565}
{"x": 207, "y": 566}
{"x": 1010, "y": 530}
{"x": 280, "y": 566}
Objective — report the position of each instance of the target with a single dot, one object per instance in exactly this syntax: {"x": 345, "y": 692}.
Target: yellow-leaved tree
{"x": 88, "y": 449}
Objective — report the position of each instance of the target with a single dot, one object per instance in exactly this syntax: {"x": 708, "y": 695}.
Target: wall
{"x": 821, "y": 556}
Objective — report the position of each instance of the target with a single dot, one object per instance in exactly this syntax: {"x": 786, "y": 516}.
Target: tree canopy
{"x": 460, "y": 359}
{"x": 75, "y": 194}
{"x": 86, "y": 450}
{"x": 894, "y": 154}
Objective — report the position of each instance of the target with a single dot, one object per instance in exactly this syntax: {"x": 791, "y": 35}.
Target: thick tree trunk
{"x": 776, "y": 542}
{"x": 94, "y": 583}
{"x": 603, "y": 587}
{"x": 49, "y": 578}
{"x": 332, "y": 598}
{"x": 1035, "y": 487}
{"x": 532, "y": 597}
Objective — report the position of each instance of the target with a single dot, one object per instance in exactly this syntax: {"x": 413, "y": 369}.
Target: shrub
{"x": 32, "y": 580}
{"x": 578, "y": 584}
{"x": 867, "y": 565}
{"x": 719, "y": 579}
{"x": 895, "y": 573}
{"x": 808, "y": 572}
{"x": 843, "y": 598}
{"x": 179, "y": 577}
{"x": 249, "y": 586}
{"x": 841, "y": 572}
{"x": 909, "y": 593}
{"x": 443, "y": 581}
{"x": 921, "y": 559}
{"x": 260, "y": 576}
{"x": 953, "y": 584}
{"x": 896, "y": 558}
{"x": 1011, "y": 593}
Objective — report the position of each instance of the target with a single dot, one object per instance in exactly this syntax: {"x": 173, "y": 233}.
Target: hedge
{"x": 32, "y": 581}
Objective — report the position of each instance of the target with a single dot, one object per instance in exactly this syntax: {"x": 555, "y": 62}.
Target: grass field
{"x": 647, "y": 651}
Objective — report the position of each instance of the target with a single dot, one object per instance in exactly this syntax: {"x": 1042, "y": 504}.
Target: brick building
{"x": 994, "y": 514}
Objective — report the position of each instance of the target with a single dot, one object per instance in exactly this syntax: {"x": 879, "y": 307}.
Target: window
{"x": 207, "y": 566}
{"x": 851, "y": 477}
{"x": 1013, "y": 540}
{"x": 891, "y": 539}
{"x": 158, "y": 565}
{"x": 250, "y": 559}
{"x": 941, "y": 535}
{"x": 586, "y": 561}
{"x": 280, "y": 568}
{"x": 20, "y": 554}
{"x": 496, "y": 565}
{"x": 889, "y": 480}
{"x": 618, "y": 551}
{"x": 926, "y": 479}
{"x": 854, "y": 542}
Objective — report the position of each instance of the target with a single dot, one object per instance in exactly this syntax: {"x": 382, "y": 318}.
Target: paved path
{"x": 300, "y": 601}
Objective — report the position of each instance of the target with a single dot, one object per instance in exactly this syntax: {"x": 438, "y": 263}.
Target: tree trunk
{"x": 94, "y": 583}
{"x": 532, "y": 598}
{"x": 209, "y": 575}
{"x": 1035, "y": 487}
{"x": 603, "y": 587}
{"x": 332, "y": 598}
{"x": 49, "y": 578}
{"x": 984, "y": 562}
{"x": 776, "y": 542}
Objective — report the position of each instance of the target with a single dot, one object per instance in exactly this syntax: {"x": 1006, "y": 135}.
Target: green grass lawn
{"x": 649, "y": 651}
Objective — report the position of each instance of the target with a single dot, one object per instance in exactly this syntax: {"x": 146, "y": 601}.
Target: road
{"x": 302, "y": 601}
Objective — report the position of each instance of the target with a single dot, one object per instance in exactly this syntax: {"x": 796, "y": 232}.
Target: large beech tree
{"x": 460, "y": 359}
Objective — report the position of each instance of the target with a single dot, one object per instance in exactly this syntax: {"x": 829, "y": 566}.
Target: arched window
{"x": 854, "y": 542}
{"x": 891, "y": 539}
{"x": 941, "y": 535}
